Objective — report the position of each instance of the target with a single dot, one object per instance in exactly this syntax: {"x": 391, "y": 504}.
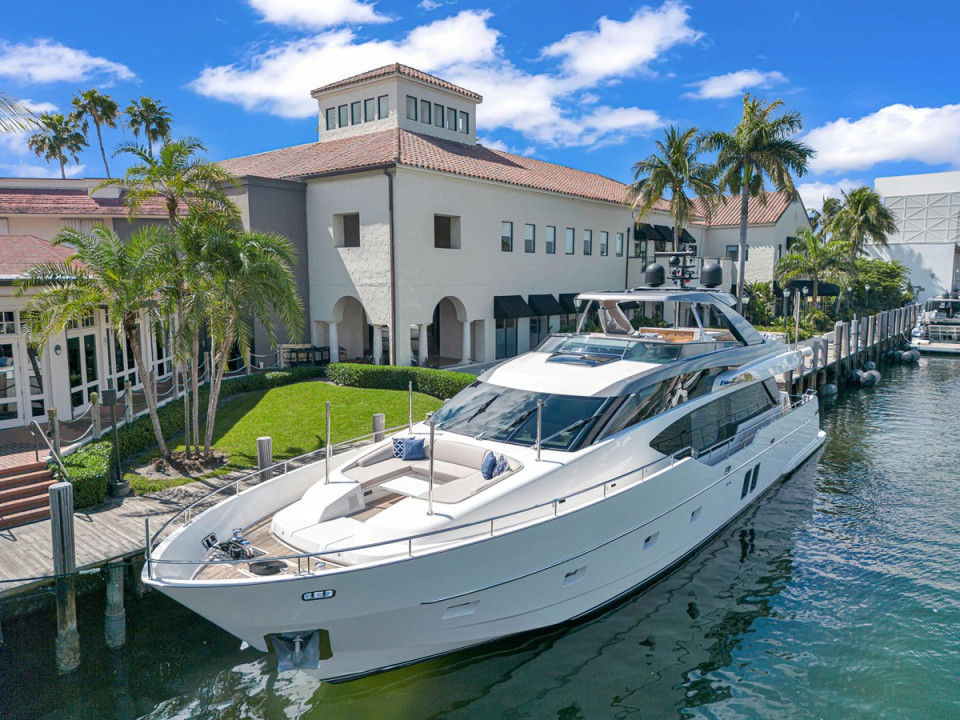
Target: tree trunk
{"x": 149, "y": 144}
{"x": 218, "y": 367}
{"x": 133, "y": 342}
{"x": 195, "y": 378}
{"x": 63, "y": 172}
{"x": 742, "y": 247}
{"x": 102, "y": 151}
{"x": 184, "y": 377}
{"x": 816, "y": 289}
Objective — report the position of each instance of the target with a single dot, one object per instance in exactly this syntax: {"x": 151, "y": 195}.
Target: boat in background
{"x": 938, "y": 328}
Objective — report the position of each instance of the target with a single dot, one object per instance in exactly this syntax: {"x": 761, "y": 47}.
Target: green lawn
{"x": 294, "y": 416}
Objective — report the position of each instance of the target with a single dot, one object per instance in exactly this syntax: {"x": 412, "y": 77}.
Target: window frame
{"x": 570, "y": 241}
{"x": 369, "y": 110}
{"x": 463, "y": 122}
{"x": 529, "y": 238}
{"x": 343, "y": 116}
{"x": 438, "y": 115}
{"x": 619, "y": 245}
{"x": 506, "y": 239}
{"x": 330, "y": 117}
{"x": 452, "y": 114}
{"x": 587, "y": 242}
{"x": 356, "y": 112}
{"x": 346, "y": 240}
{"x": 550, "y": 243}
{"x": 604, "y": 243}
{"x": 412, "y": 105}
{"x": 383, "y": 107}
{"x": 426, "y": 112}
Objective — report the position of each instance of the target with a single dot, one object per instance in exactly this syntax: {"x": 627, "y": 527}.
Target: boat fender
{"x": 855, "y": 377}
{"x": 870, "y": 378}
{"x": 911, "y": 356}
{"x": 829, "y": 390}
{"x": 870, "y": 366}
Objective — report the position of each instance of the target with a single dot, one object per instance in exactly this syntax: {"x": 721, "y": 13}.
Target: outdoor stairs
{"x": 24, "y": 494}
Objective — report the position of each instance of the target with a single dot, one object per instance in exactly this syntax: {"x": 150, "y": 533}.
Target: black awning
{"x": 545, "y": 305}
{"x": 645, "y": 232}
{"x": 566, "y": 302}
{"x": 686, "y": 236}
{"x": 665, "y": 232}
{"x": 508, "y": 307}
{"x": 823, "y": 289}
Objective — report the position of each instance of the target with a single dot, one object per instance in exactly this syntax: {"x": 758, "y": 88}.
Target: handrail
{"x": 555, "y": 503}
{"x": 36, "y": 429}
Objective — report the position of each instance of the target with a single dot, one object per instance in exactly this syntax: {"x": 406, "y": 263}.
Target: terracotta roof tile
{"x": 728, "y": 213}
{"x": 398, "y": 69}
{"x": 414, "y": 150}
{"x": 18, "y": 253}
{"x": 24, "y": 201}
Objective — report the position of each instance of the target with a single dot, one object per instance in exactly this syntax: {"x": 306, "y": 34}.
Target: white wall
{"x": 932, "y": 266}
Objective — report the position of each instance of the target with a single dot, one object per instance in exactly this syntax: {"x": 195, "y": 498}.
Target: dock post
{"x": 789, "y": 382}
{"x": 95, "y": 414}
{"x": 136, "y": 582}
{"x": 379, "y": 425}
{"x": 64, "y": 567}
{"x": 128, "y": 403}
{"x": 115, "y": 625}
{"x": 54, "y": 429}
{"x": 264, "y": 456}
{"x": 824, "y": 361}
{"x": 837, "y": 351}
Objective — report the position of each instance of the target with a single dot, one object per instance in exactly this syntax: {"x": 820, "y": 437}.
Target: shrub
{"x": 89, "y": 467}
{"x": 441, "y": 384}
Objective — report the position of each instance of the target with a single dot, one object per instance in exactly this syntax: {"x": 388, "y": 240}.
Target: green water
{"x": 836, "y": 596}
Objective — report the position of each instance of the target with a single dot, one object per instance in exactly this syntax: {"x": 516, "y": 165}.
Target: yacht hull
{"x": 592, "y": 552}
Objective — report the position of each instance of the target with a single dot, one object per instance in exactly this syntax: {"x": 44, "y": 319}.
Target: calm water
{"x": 837, "y": 596}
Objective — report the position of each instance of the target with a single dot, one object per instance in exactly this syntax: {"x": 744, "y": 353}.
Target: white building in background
{"x": 423, "y": 246}
{"x": 927, "y": 212}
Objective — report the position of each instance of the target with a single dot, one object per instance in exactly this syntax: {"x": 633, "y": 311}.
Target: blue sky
{"x": 588, "y": 85}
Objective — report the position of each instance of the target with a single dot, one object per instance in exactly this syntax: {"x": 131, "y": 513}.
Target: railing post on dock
{"x": 264, "y": 456}
{"x": 128, "y": 403}
{"x": 115, "y": 625}
{"x": 95, "y": 414}
{"x": 837, "y": 351}
{"x": 847, "y": 334}
{"x": 64, "y": 567}
{"x": 327, "y": 450}
{"x": 54, "y": 429}
{"x": 379, "y": 425}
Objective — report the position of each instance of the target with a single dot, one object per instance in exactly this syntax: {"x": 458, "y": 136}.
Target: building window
{"x": 355, "y": 117}
{"x": 588, "y": 242}
{"x": 506, "y": 236}
{"x": 411, "y": 108}
{"x": 451, "y": 118}
{"x": 369, "y": 110}
{"x": 570, "y": 239}
{"x": 733, "y": 252}
{"x": 506, "y": 338}
{"x": 83, "y": 225}
{"x": 790, "y": 241}
{"x": 331, "y": 118}
{"x": 383, "y": 107}
{"x": 8, "y": 322}
{"x": 464, "y": 126}
{"x": 529, "y": 238}
{"x": 438, "y": 115}
{"x": 4, "y": 226}
{"x": 604, "y": 243}
{"x": 619, "y": 250}
{"x": 539, "y": 329}
{"x": 551, "y": 241}
{"x": 343, "y": 113}
{"x": 446, "y": 232}
{"x": 425, "y": 112}
{"x": 347, "y": 230}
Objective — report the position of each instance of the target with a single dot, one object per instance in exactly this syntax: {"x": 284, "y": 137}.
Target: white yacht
{"x": 938, "y": 327}
{"x": 557, "y": 482}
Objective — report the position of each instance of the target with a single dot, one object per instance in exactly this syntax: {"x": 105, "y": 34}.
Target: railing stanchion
{"x": 410, "y": 406}
{"x": 539, "y": 427}
{"x": 326, "y": 454}
{"x": 146, "y": 548}
{"x": 430, "y": 487}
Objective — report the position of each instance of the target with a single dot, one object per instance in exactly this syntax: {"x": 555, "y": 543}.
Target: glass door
{"x": 82, "y": 363}
{"x": 9, "y": 390}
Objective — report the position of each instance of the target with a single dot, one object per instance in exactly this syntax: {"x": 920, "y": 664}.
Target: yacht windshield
{"x": 607, "y": 348}
{"x": 497, "y": 413}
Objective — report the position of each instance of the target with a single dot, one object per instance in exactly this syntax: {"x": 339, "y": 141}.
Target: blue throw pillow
{"x": 398, "y": 447}
{"x": 501, "y": 467}
{"x": 413, "y": 448}
{"x": 488, "y": 465}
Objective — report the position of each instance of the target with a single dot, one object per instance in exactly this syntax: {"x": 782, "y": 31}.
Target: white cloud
{"x": 26, "y": 170}
{"x": 317, "y": 14}
{"x": 46, "y": 61}
{"x": 494, "y": 144}
{"x": 813, "y": 193}
{"x": 542, "y": 106}
{"x": 623, "y": 48}
{"x": 429, "y": 4}
{"x": 734, "y": 84}
{"x": 16, "y": 143}
{"x": 897, "y": 132}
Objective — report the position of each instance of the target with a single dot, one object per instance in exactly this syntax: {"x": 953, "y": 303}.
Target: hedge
{"x": 89, "y": 468}
{"x": 441, "y": 384}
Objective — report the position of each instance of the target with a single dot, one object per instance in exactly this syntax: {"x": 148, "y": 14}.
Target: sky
{"x": 589, "y": 85}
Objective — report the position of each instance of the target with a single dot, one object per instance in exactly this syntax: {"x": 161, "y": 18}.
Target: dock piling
{"x": 64, "y": 567}
{"x": 264, "y": 456}
{"x": 379, "y": 425}
{"x": 115, "y": 625}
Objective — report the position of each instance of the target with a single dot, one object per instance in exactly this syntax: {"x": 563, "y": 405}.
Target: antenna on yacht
{"x": 410, "y": 408}
{"x": 432, "y": 453}
{"x": 326, "y": 454}
{"x": 539, "y": 426}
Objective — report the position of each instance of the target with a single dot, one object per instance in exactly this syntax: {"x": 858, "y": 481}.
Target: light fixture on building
{"x": 57, "y": 349}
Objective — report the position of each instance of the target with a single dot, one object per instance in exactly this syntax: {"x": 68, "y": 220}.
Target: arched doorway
{"x": 353, "y": 330}
{"x": 448, "y": 336}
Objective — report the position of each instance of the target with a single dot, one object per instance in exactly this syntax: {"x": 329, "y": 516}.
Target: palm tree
{"x": 99, "y": 108}
{"x": 104, "y": 272}
{"x": 759, "y": 149}
{"x": 150, "y": 117}
{"x": 862, "y": 218}
{"x": 822, "y": 219}
{"x": 59, "y": 138}
{"x": 812, "y": 258}
{"x": 251, "y": 278}
{"x": 674, "y": 168}
{"x": 15, "y": 116}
